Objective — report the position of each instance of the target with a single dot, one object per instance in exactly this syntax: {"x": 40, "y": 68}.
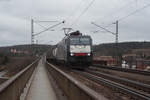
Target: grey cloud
{"x": 5, "y": 0}
{"x": 15, "y": 19}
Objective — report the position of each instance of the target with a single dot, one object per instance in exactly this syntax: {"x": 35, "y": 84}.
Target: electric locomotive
{"x": 74, "y": 49}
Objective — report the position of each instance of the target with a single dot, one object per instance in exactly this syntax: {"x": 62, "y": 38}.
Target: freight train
{"x": 74, "y": 49}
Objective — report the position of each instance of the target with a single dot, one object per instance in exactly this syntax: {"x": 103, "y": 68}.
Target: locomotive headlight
{"x": 71, "y": 54}
{"x": 88, "y": 54}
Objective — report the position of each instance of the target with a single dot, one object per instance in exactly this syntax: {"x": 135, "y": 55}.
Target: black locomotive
{"x": 74, "y": 49}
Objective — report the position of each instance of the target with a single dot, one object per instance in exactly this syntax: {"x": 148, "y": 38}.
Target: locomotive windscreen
{"x": 80, "y": 40}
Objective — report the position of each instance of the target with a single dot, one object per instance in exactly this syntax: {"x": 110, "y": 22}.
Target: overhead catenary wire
{"x": 117, "y": 11}
{"x": 49, "y": 28}
{"x": 40, "y": 25}
{"x": 44, "y": 27}
{"x": 70, "y": 15}
{"x": 103, "y": 28}
{"x": 90, "y": 4}
{"x": 74, "y": 10}
{"x": 134, "y": 12}
{"x": 45, "y": 21}
{"x": 130, "y": 14}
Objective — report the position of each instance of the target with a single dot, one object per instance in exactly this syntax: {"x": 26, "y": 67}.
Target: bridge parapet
{"x": 12, "y": 88}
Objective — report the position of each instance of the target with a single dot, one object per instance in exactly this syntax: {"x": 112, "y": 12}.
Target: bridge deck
{"x": 41, "y": 88}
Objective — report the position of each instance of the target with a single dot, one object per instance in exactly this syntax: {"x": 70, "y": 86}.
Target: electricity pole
{"x": 116, "y": 31}
{"x": 32, "y": 31}
{"x": 116, "y": 37}
{"x": 117, "y": 49}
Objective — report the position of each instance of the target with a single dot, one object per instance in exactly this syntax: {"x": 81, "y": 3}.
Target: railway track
{"x": 128, "y": 82}
{"x": 134, "y": 93}
{"x": 128, "y": 70}
{"x": 136, "y": 90}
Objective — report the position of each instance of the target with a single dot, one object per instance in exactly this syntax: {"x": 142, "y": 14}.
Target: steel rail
{"x": 115, "y": 85}
{"x": 142, "y": 86}
{"x": 129, "y": 70}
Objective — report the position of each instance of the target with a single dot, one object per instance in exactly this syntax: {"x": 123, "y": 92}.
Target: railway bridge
{"x": 42, "y": 80}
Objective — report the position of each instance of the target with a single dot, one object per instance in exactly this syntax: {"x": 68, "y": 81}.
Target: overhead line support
{"x": 114, "y": 33}
{"x": 46, "y": 29}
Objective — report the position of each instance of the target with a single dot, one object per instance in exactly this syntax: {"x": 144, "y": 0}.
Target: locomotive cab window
{"x": 85, "y": 40}
{"x": 82, "y": 40}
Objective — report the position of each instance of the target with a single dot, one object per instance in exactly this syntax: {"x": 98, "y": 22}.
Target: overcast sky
{"x": 15, "y": 20}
